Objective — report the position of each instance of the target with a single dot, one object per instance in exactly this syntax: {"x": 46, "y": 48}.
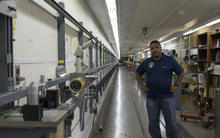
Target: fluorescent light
{"x": 213, "y": 22}
{"x": 139, "y": 52}
{"x": 206, "y": 25}
{"x": 143, "y": 51}
{"x": 62, "y": 75}
{"x": 174, "y": 38}
{"x": 111, "y": 6}
{"x": 194, "y": 30}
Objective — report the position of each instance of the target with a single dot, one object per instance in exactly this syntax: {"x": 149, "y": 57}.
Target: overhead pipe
{"x": 63, "y": 12}
{"x": 88, "y": 44}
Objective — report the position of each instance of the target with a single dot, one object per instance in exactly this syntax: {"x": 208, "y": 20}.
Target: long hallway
{"x": 126, "y": 115}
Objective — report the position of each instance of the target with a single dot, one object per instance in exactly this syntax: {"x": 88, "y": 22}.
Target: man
{"x": 159, "y": 89}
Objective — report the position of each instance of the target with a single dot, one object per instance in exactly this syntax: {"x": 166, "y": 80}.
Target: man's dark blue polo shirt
{"x": 159, "y": 75}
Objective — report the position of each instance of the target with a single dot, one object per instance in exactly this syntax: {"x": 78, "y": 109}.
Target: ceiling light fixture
{"x": 174, "y": 38}
{"x": 206, "y": 25}
{"x": 112, "y": 11}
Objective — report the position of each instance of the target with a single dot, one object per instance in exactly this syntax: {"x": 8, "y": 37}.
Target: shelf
{"x": 201, "y": 72}
{"x": 214, "y": 75}
{"x": 218, "y": 48}
{"x": 215, "y": 62}
{"x": 202, "y": 60}
{"x": 202, "y": 48}
{"x": 194, "y": 60}
{"x": 193, "y": 48}
{"x": 192, "y": 64}
{"x": 215, "y": 34}
{"x": 203, "y": 34}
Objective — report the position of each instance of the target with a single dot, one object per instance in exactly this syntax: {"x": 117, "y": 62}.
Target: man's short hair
{"x": 154, "y": 41}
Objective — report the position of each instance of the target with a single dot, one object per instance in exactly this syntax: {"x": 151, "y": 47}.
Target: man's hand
{"x": 141, "y": 83}
{"x": 173, "y": 88}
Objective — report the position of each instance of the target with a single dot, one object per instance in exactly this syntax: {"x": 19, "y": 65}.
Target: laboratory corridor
{"x": 126, "y": 114}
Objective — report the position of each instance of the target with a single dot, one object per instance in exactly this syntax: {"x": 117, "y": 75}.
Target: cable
{"x": 75, "y": 126}
{"x": 93, "y": 121}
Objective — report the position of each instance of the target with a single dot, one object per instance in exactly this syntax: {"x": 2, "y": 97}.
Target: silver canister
{"x": 32, "y": 94}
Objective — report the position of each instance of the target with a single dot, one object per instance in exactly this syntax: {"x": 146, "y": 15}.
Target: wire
{"x": 75, "y": 126}
{"x": 93, "y": 121}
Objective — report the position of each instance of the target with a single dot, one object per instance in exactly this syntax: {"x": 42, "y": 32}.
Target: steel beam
{"x": 7, "y": 97}
{"x": 6, "y": 54}
{"x": 90, "y": 57}
{"x": 61, "y": 50}
{"x": 80, "y": 41}
{"x": 96, "y": 59}
{"x": 56, "y": 81}
{"x": 100, "y": 57}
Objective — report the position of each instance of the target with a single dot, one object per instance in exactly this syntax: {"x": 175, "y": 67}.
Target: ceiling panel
{"x": 163, "y": 17}
{"x": 99, "y": 9}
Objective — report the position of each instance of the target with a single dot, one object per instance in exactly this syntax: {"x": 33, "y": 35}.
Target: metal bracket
{"x": 81, "y": 113}
{"x": 9, "y": 58}
{"x": 8, "y": 7}
{"x": 10, "y": 83}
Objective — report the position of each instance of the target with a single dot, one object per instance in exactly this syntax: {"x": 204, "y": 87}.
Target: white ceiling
{"x": 164, "y": 18}
{"x": 99, "y": 9}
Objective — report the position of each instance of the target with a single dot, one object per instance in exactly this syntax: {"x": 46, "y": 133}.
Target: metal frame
{"x": 80, "y": 40}
{"x": 7, "y": 97}
{"x": 61, "y": 38}
{"x": 56, "y": 82}
{"x": 91, "y": 57}
{"x": 96, "y": 59}
{"x": 7, "y": 61}
{"x": 100, "y": 52}
{"x": 63, "y": 12}
{"x": 61, "y": 50}
{"x": 8, "y": 7}
{"x": 6, "y": 54}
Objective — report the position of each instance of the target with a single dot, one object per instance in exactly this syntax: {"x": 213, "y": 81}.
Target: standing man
{"x": 159, "y": 89}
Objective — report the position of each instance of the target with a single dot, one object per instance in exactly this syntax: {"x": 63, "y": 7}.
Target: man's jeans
{"x": 169, "y": 112}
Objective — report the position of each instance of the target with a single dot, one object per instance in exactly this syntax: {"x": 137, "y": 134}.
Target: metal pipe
{"x": 63, "y": 12}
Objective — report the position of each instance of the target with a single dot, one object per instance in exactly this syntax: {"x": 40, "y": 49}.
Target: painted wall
{"x": 35, "y": 43}
{"x": 36, "y": 38}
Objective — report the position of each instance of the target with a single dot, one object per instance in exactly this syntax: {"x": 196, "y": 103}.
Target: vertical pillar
{"x": 91, "y": 57}
{"x": 61, "y": 51}
{"x": 96, "y": 59}
{"x": 6, "y": 54}
{"x": 61, "y": 38}
{"x": 104, "y": 50}
{"x": 107, "y": 57}
{"x": 80, "y": 41}
{"x": 100, "y": 52}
